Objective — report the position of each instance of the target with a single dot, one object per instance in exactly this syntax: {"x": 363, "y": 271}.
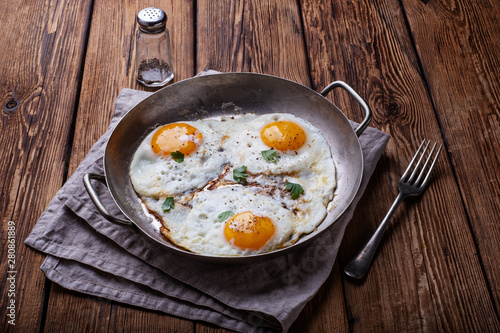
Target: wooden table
{"x": 428, "y": 69}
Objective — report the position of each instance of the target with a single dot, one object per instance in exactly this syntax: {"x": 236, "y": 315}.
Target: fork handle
{"x": 359, "y": 265}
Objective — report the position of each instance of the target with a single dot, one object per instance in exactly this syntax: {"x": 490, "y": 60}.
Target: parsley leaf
{"x": 168, "y": 204}
{"x": 295, "y": 189}
{"x": 224, "y": 216}
{"x": 177, "y": 156}
{"x": 240, "y": 175}
{"x": 270, "y": 155}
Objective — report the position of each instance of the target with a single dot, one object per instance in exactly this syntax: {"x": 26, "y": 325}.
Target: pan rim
{"x": 304, "y": 239}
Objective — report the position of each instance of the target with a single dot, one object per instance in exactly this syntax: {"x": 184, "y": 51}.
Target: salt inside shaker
{"x": 153, "y": 54}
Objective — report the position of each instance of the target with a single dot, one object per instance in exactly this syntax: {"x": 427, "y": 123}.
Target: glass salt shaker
{"x": 153, "y": 54}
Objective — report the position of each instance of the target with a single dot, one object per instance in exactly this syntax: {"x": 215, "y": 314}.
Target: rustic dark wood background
{"x": 428, "y": 69}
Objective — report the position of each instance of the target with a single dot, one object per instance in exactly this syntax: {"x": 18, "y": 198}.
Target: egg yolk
{"x": 176, "y": 137}
{"x": 250, "y": 232}
{"x": 283, "y": 135}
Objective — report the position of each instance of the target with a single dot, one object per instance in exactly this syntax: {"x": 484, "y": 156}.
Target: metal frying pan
{"x": 230, "y": 93}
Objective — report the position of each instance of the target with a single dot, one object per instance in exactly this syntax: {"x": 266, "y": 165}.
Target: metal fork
{"x": 408, "y": 186}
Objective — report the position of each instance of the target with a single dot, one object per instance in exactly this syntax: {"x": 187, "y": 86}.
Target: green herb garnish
{"x": 295, "y": 189}
{"x": 168, "y": 204}
{"x": 224, "y": 216}
{"x": 177, "y": 156}
{"x": 240, "y": 175}
{"x": 270, "y": 155}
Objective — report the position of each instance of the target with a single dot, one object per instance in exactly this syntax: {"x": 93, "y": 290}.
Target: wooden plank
{"x": 458, "y": 45}
{"x": 128, "y": 319}
{"x": 263, "y": 37}
{"x": 252, "y": 36}
{"x": 425, "y": 275}
{"x": 90, "y": 314}
{"x": 110, "y": 67}
{"x": 39, "y": 78}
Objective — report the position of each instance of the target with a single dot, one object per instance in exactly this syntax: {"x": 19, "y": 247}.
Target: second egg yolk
{"x": 249, "y": 232}
{"x": 283, "y": 135}
{"x": 176, "y": 137}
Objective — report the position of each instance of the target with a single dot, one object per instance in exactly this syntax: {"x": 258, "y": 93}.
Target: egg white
{"x": 157, "y": 175}
{"x": 246, "y": 145}
{"x": 204, "y": 233}
{"x": 229, "y": 143}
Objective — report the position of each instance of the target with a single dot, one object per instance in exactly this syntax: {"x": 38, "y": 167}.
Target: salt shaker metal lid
{"x": 152, "y": 20}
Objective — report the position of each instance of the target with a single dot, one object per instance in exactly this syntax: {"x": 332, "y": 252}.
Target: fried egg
{"x": 235, "y": 186}
{"x": 231, "y": 221}
{"x": 302, "y": 152}
{"x": 155, "y": 173}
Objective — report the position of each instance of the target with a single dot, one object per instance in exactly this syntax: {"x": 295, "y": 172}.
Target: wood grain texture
{"x": 88, "y": 313}
{"x": 458, "y": 43}
{"x": 109, "y": 67}
{"x": 128, "y": 319}
{"x": 427, "y": 68}
{"x": 36, "y": 65}
{"x": 252, "y": 36}
{"x": 379, "y": 58}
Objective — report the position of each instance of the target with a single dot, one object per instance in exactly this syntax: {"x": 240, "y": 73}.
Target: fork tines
{"x": 418, "y": 169}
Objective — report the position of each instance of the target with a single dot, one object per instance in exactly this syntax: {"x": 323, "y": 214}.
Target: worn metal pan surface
{"x": 223, "y": 94}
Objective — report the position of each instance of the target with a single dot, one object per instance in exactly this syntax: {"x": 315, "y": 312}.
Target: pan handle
{"x": 366, "y": 108}
{"x": 95, "y": 198}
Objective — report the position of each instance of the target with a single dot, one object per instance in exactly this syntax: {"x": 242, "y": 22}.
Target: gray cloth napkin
{"x": 89, "y": 254}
